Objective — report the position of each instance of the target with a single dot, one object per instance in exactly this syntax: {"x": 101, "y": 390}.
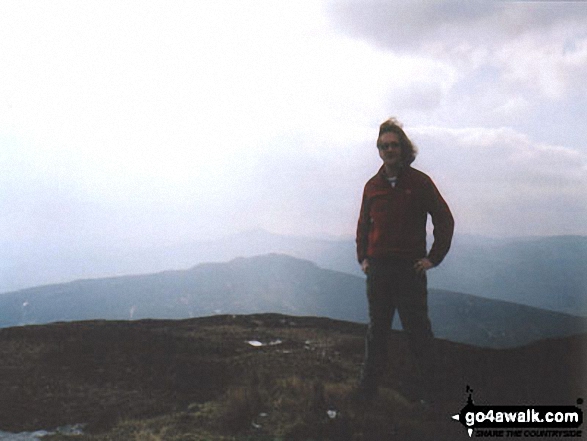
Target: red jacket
{"x": 392, "y": 222}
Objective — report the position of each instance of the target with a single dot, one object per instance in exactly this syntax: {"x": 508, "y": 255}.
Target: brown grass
{"x": 183, "y": 381}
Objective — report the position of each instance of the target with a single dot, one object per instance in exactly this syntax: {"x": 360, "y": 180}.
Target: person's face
{"x": 390, "y": 150}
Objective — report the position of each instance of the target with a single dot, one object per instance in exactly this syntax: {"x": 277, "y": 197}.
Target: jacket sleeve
{"x": 443, "y": 223}
{"x": 363, "y": 227}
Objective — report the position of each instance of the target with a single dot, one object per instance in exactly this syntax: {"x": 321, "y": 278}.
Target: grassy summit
{"x": 265, "y": 376}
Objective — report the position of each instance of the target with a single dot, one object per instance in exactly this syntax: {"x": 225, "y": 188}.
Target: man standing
{"x": 391, "y": 249}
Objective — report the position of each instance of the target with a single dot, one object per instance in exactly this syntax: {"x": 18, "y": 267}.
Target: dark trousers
{"x": 392, "y": 286}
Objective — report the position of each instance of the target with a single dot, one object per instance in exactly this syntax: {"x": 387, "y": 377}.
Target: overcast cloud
{"x": 155, "y": 123}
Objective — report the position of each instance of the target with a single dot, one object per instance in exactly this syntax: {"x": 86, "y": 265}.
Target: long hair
{"x": 409, "y": 150}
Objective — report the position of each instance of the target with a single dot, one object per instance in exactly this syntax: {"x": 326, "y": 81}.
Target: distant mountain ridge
{"x": 544, "y": 272}
{"x": 273, "y": 283}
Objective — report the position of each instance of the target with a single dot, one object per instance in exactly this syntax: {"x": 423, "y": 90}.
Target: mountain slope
{"x": 545, "y": 272}
{"x": 494, "y": 323}
{"x": 258, "y": 284}
{"x": 272, "y": 283}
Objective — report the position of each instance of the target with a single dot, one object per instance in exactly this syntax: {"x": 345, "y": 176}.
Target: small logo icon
{"x": 525, "y": 420}
{"x": 464, "y": 410}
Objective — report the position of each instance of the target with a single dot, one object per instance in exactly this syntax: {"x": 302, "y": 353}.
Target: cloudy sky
{"x": 155, "y": 122}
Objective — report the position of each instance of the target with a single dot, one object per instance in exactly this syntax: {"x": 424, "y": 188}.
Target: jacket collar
{"x": 382, "y": 175}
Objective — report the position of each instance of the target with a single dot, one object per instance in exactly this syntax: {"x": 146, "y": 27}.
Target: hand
{"x": 365, "y": 265}
{"x": 423, "y": 265}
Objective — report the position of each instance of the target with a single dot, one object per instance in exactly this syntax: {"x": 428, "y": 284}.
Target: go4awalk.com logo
{"x": 521, "y": 421}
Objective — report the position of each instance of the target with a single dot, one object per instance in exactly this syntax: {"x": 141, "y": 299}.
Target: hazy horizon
{"x": 74, "y": 263}
{"x": 150, "y": 124}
